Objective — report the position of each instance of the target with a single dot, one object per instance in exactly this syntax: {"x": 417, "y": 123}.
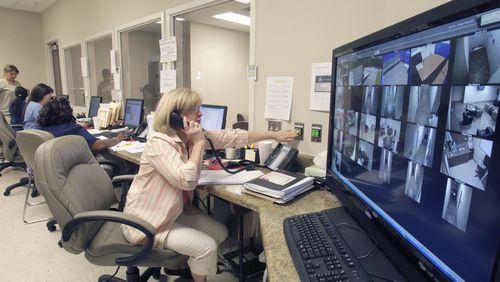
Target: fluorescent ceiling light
{"x": 243, "y": 1}
{"x": 233, "y": 17}
{"x": 179, "y": 19}
{"x": 158, "y": 22}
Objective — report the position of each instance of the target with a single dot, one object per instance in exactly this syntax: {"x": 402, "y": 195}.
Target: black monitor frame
{"x": 218, "y": 107}
{"x": 141, "y": 116}
{"x": 409, "y": 260}
{"x": 93, "y": 104}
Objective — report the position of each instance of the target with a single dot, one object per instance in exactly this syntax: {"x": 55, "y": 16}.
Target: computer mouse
{"x": 231, "y": 164}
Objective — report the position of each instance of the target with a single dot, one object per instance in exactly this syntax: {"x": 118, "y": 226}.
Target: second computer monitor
{"x": 95, "y": 101}
{"x": 214, "y": 117}
{"x": 134, "y": 112}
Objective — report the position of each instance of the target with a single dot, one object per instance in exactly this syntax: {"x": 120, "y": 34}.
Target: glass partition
{"x": 140, "y": 58}
{"x": 74, "y": 77}
{"x": 100, "y": 77}
{"x": 212, "y": 55}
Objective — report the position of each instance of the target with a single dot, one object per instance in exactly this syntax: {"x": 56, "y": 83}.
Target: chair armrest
{"x": 114, "y": 166}
{"x": 130, "y": 220}
{"x": 117, "y": 180}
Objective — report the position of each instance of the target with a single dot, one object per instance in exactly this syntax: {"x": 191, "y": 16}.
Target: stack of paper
{"x": 279, "y": 186}
{"x": 222, "y": 177}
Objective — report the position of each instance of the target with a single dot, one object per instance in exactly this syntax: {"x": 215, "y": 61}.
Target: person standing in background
{"x": 40, "y": 95}
{"x": 105, "y": 86}
{"x": 8, "y": 85}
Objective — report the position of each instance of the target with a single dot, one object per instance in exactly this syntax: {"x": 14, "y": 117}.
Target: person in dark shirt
{"x": 16, "y": 108}
{"x": 57, "y": 118}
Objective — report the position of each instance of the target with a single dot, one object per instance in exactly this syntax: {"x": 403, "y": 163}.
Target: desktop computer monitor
{"x": 134, "y": 113}
{"x": 413, "y": 150}
{"x": 65, "y": 96}
{"x": 95, "y": 101}
{"x": 214, "y": 117}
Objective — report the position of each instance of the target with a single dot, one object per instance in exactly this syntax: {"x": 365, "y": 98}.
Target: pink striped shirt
{"x": 164, "y": 173}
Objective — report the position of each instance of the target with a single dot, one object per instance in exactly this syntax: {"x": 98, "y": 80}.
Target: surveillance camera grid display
{"x": 420, "y": 126}
{"x": 395, "y": 99}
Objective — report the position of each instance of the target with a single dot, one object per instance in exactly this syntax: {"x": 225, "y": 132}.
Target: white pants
{"x": 197, "y": 236}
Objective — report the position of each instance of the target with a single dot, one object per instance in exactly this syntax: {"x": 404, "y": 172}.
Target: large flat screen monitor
{"x": 413, "y": 146}
{"x": 134, "y": 113}
{"x": 95, "y": 101}
{"x": 214, "y": 117}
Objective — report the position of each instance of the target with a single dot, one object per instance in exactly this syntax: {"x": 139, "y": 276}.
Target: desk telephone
{"x": 282, "y": 157}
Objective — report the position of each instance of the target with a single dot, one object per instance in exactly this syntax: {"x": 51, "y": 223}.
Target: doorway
{"x": 56, "y": 67}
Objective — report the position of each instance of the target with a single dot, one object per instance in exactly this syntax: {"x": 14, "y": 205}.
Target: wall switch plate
{"x": 316, "y": 133}
{"x": 273, "y": 125}
{"x": 299, "y": 128}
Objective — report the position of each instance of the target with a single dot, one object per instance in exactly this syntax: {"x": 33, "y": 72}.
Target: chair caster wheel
{"x": 51, "y": 228}
{"x": 6, "y": 193}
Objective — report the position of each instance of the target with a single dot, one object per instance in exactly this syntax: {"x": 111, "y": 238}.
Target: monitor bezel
{"x": 90, "y": 104}
{"x": 217, "y": 107}
{"x": 141, "y": 117}
{"x": 409, "y": 259}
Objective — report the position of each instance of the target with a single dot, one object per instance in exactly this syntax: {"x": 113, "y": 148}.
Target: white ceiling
{"x": 36, "y": 6}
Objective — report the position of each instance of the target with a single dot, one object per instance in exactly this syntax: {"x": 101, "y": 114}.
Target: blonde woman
{"x": 169, "y": 169}
{"x": 8, "y": 85}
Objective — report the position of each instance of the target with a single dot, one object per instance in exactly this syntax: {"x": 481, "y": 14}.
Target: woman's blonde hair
{"x": 10, "y": 68}
{"x": 181, "y": 100}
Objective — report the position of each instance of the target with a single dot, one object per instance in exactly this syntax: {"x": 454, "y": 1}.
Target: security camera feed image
{"x": 419, "y": 145}
{"x": 339, "y": 118}
{"x": 414, "y": 180}
{"x": 477, "y": 59}
{"x": 457, "y": 204}
{"x": 424, "y": 104}
{"x": 365, "y": 155}
{"x": 370, "y": 99}
{"x": 352, "y": 121}
{"x": 467, "y": 158}
{"x": 395, "y": 68}
{"x": 429, "y": 63}
{"x": 392, "y": 102}
{"x": 372, "y": 71}
{"x": 384, "y": 172}
{"x": 473, "y": 110}
{"x": 349, "y": 148}
{"x": 389, "y": 134}
{"x": 367, "y": 127}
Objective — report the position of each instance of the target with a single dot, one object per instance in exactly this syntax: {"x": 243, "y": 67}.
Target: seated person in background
{"x": 170, "y": 168}
{"x": 57, "y": 118}
{"x": 39, "y": 96}
{"x": 16, "y": 108}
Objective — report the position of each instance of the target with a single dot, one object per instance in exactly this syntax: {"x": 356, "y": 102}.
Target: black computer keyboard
{"x": 319, "y": 251}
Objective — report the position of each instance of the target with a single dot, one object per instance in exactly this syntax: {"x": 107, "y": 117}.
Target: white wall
{"x": 218, "y": 67}
{"x": 22, "y": 45}
{"x": 493, "y": 51}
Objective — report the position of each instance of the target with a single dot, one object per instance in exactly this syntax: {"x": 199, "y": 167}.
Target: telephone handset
{"x": 282, "y": 157}
{"x": 176, "y": 120}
